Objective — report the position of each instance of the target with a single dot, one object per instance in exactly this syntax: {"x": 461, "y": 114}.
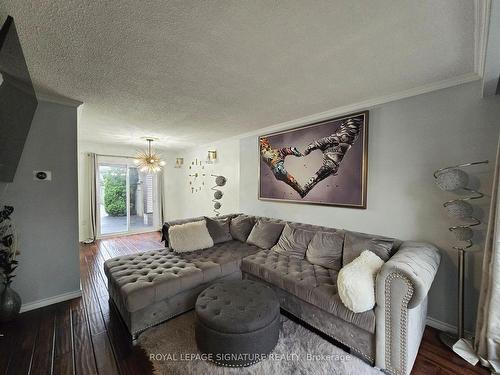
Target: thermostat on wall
{"x": 42, "y": 175}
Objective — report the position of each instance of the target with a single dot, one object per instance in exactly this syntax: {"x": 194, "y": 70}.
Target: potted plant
{"x": 10, "y": 302}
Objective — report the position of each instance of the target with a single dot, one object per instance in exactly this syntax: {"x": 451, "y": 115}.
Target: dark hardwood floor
{"x": 85, "y": 335}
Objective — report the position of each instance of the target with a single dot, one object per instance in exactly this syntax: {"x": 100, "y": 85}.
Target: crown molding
{"x": 56, "y": 98}
{"x": 363, "y": 105}
{"x": 482, "y": 13}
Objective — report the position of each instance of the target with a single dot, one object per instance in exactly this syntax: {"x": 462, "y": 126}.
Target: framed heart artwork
{"x": 321, "y": 163}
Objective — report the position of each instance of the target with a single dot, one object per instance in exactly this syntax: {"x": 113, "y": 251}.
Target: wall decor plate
{"x": 321, "y": 163}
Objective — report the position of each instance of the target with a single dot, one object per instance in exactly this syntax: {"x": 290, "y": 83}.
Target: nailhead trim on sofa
{"x": 162, "y": 320}
{"x": 401, "y": 370}
{"x": 229, "y": 365}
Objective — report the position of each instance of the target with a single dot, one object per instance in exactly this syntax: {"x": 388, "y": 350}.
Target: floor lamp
{"x": 454, "y": 179}
{"x": 218, "y": 194}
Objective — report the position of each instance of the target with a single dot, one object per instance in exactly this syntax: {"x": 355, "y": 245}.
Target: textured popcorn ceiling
{"x": 191, "y": 72}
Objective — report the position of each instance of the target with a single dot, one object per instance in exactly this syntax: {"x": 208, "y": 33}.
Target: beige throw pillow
{"x": 190, "y": 237}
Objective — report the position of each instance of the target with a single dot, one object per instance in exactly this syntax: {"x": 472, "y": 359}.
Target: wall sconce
{"x": 212, "y": 156}
{"x": 179, "y": 162}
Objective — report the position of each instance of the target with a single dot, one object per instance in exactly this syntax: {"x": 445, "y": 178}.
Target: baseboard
{"x": 50, "y": 301}
{"x": 432, "y": 322}
{"x": 442, "y": 326}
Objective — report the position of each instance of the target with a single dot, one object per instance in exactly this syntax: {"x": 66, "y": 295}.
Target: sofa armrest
{"x": 401, "y": 295}
{"x": 419, "y": 262}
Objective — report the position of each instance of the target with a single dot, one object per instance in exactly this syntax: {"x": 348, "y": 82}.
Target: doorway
{"x": 127, "y": 199}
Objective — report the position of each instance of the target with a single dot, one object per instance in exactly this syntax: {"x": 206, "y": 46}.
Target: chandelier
{"x": 149, "y": 161}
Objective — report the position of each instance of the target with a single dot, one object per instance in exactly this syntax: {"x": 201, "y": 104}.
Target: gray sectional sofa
{"x": 154, "y": 286}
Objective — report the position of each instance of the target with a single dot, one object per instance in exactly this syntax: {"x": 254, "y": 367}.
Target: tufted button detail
{"x": 153, "y": 269}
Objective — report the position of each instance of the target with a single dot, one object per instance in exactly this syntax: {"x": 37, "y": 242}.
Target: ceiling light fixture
{"x": 148, "y": 161}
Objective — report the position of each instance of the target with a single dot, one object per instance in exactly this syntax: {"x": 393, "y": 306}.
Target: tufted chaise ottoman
{"x": 149, "y": 288}
{"x": 238, "y": 322}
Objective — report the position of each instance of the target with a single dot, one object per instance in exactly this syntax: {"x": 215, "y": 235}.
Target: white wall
{"x": 46, "y": 212}
{"x": 182, "y": 203}
{"x": 84, "y": 148}
{"x": 408, "y": 140}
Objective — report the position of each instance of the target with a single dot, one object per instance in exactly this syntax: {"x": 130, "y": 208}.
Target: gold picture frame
{"x": 343, "y": 173}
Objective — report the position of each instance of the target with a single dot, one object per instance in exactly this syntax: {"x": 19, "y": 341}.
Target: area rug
{"x": 171, "y": 347}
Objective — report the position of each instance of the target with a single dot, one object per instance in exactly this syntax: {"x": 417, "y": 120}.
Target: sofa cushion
{"x": 325, "y": 249}
{"x": 145, "y": 278}
{"x": 241, "y": 226}
{"x": 311, "y": 283}
{"x": 227, "y": 255}
{"x": 219, "y": 229}
{"x": 293, "y": 242}
{"x": 355, "y": 243}
{"x": 265, "y": 234}
{"x": 190, "y": 237}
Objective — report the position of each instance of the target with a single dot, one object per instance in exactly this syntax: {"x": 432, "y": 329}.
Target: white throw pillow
{"x": 356, "y": 282}
{"x": 189, "y": 237}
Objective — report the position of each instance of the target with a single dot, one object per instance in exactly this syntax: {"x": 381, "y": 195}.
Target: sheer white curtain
{"x": 161, "y": 195}
{"x": 92, "y": 181}
{"x": 487, "y": 341}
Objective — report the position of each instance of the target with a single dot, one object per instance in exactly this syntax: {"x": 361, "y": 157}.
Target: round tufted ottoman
{"x": 237, "y": 323}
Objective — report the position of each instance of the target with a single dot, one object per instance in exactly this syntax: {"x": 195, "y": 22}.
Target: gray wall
{"x": 46, "y": 213}
{"x": 408, "y": 140}
{"x": 491, "y": 76}
{"x": 18, "y": 105}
